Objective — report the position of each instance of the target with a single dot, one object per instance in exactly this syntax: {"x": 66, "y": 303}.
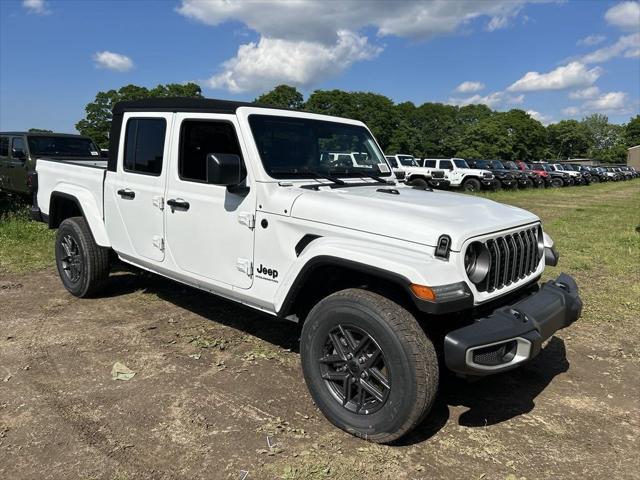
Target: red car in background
{"x": 543, "y": 174}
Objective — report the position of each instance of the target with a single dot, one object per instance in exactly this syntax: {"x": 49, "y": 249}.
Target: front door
{"x": 4, "y": 162}
{"x": 209, "y": 227}
{"x": 134, "y": 193}
{"x": 18, "y": 165}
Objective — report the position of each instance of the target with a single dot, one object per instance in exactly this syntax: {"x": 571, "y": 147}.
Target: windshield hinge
{"x": 245, "y": 265}
{"x": 248, "y": 219}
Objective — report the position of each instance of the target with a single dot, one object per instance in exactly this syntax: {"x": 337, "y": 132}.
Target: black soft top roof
{"x": 184, "y": 104}
{"x": 44, "y": 134}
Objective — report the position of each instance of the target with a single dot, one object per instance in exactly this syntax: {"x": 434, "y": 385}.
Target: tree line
{"x": 427, "y": 130}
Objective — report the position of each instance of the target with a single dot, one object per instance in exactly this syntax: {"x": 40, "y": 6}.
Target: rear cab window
{"x": 144, "y": 145}
{"x": 430, "y": 163}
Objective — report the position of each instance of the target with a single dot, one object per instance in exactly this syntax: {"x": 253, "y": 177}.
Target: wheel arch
{"x": 63, "y": 205}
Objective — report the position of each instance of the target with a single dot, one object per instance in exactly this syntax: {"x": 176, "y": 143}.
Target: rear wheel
{"x": 471, "y": 185}
{"x": 83, "y": 266}
{"x": 368, "y": 365}
{"x": 418, "y": 183}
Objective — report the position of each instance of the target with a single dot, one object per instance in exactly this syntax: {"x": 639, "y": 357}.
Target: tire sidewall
{"x": 418, "y": 182}
{"x": 471, "y": 185}
{"x": 325, "y": 317}
{"x": 70, "y": 227}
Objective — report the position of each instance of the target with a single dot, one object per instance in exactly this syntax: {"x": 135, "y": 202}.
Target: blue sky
{"x": 556, "y": 59}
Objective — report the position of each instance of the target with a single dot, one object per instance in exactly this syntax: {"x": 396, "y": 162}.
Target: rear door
{"x": 134, "y": 194}
{"x": 210, "y": 234}
{"x": 17, "y": 172}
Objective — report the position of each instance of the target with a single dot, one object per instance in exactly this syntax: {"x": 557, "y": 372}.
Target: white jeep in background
{"x": 461, "y": 175}
{"x": 243, "y": 202}
{"x": 408, "y": 168}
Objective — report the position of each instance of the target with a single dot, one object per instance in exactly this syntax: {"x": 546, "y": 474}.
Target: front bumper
{"x": 513, "y": 334}
{"x": 490, "y": 183}
{"x": 508, "y": 182}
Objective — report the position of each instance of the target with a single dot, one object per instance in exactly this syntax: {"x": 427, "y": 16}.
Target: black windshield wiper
{"x": 308, "y": 171}
{"x": 363, "y": 173}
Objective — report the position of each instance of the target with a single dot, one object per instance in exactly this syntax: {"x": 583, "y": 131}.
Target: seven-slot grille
{"x": 512, "y": 258}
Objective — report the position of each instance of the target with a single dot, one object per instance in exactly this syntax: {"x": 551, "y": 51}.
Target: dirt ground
{"x": 218, "y": 393}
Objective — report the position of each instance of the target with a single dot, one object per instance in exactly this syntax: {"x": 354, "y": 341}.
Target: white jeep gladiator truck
{"x": 391, "y": 283}
{"x": 460, "y": 174}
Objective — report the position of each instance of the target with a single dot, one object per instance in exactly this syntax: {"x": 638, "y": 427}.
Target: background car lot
{"x": 196, "y": 410}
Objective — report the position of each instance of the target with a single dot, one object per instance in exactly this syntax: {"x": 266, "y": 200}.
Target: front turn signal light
{"x": 423, "y": 292}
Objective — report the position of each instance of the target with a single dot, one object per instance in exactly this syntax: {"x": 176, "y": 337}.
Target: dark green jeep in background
{"x": 20, "y": 150}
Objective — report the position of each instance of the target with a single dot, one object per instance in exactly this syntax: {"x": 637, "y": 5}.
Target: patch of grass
{"x": 24, "y": 245}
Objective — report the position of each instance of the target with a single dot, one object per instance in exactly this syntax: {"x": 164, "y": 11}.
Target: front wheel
{"x": 418, "y": 183}
{"x": 471, "y": 185}
{"x": 556, "y": 182}
{"x": 83, "y": 266}
{"x": 368, "y": 365}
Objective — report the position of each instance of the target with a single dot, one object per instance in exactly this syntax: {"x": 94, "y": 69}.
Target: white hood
{"x": 419, "y": 216}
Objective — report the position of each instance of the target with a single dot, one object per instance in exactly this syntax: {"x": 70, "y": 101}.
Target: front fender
{"x": 404, "y": 263}
{"x": 89, "y": 206}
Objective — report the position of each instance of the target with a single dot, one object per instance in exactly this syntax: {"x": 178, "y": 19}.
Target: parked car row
{"x": 473, "y": 175}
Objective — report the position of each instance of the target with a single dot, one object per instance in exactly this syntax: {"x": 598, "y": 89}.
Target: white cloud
{"x": 627, "y": 46}
{"x": 466, "y": 87}
{"x": 492, "y": 100}
{"x": 588, "y": 92}
{"x": 571, "y": 111}
{"x": 572, "y": 75}
{"x": 592, "y": 40}
{"x": 612, "y": 102}
{"x": 542, "y": 118}
{"x": 319, "y": 20}
{"x": 113, "y": 61}
{"x": 39, "y": 7}
{"x": 259, "y": 66}
{"x": 292, "y": 31}
{"x": 625, "y": 15}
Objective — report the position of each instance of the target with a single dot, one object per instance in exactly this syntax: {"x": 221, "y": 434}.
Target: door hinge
{"x": 158, "y": 242}
{"x": 245, "y": 265}
{"x": 158, "y": 202}
{"x": 248, "y": 219}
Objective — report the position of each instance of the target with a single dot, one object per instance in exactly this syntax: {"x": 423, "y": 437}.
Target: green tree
{"x": 632, "y": 132}
{"x": 97, "y": 121}
{"x": 607, "y": 143}
{"x": 568, "y": 138}
{"x": 40, "y": 130}
{"x": 283, "y": 96}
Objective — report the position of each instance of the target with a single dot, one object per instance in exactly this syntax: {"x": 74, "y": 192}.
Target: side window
{"x": 4, "y": 147}
{"x": 393, "y": 162}
{"x": 446, "y": 164}
{"x": 17, "y": 148}
{"x": 144, "y": 145}
{"x": 199, "y": 138}
{"x": 430, "y": 163}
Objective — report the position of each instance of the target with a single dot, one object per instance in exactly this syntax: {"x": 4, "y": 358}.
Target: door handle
{"x": 178, "y": 203}
{"x": 126, "y": 193}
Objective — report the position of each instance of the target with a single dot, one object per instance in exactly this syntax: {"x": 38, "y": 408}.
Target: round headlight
{"x": 477, "y": 262}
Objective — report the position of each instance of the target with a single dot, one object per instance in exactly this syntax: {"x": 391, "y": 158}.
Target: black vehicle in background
{"x": 20, "y": 150}
{"x": 506, "y": 179}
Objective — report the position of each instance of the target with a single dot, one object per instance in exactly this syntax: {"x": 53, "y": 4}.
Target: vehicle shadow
{"x": 489, "y": 401}
{"x": 282, "y": 333}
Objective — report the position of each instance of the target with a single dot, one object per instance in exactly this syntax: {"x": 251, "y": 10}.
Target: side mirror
{"x": 18, "y": 153}
{"x": 225, "y": 169}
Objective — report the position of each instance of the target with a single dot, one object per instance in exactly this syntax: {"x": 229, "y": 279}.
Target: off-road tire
{"x": 471, "y": 185}
{"x": 93, "y": 260}
{"x": 418, "y": 183}
{"x": 556, "y": 182}
{"x": 410, "y": 361}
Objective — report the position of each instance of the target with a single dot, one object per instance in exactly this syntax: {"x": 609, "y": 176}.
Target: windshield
{"x": 482, "y": 164}
{"x": 511, "y": 165}
{"x": 525, "y": 166}
{"x": 497, "y": 164}
{"x": 62, "y": 146}
{"x": 408, "y": 161}
{"x": 558, "y": 166}
{"x": 297, "y": 147}
{"x": 461, "y": 163}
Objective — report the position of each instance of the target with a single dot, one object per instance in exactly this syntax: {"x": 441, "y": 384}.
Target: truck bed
{"x": 80, "y": 178}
